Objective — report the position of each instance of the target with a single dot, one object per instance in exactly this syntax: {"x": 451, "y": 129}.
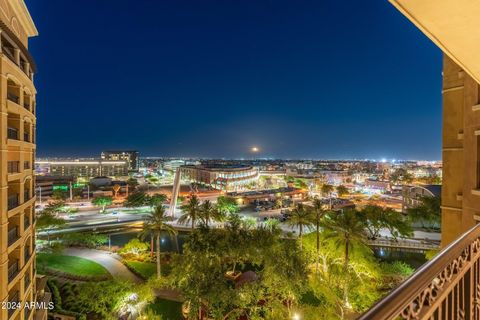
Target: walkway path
{"x": 107, "y": 260}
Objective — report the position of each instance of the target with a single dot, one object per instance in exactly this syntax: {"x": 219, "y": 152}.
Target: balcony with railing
{"x": 13, "y": 201}
{"x": 17, "y": 54}
{"x": 13, "y": 97}
{"x": 13, "y": 167}
{"x": 27, "y": 254}
{"x": 13, "y": 300}
{"x": 13, "y": 270}
{"x": 12, "y": 133}
{"x": 26, "y": 281}
{"x": 27, "y": 102}
{"x": 26, "y": 222}
{"x": 13, "y": 235}
{"x": 447, "y": 287}
{"x": 26, "y": 313}
{"x": 8, "y": 50}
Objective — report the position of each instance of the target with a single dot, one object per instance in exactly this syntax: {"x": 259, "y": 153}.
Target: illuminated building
{"x": 17, "y": 201}
{"x": 412, "y": 195}
{"x": 130, "y": 156}
{"x": 83, "y": 168}
{"x": 221, "y": 177}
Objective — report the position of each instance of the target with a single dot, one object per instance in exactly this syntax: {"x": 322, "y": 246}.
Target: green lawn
{"x": 147, "y": 269}
{"x": 168, "y": 310}
{"x": 69, "y": 264}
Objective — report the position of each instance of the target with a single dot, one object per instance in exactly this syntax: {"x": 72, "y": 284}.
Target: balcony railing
{"x": 14, "y": 299}
{"x": 13, "y": 97}
{"x": 26, "y": 281}
{"x": 26, "y": 313}
{"x": 13, "y": 201}
{"x": 447, "y": 287}
{"x": 13, "y": 271}
{"x": 9, "y": 52}
{"x": 12, "y": 133}
{"x": 13, "y": 235}
{"x": 13, "y": 166}
{"x": 26, "y": 254}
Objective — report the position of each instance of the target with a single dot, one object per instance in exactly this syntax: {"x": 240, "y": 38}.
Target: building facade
{"x": 412, "y": 195}
{"x": 130, "y": 156}
{"x": 461, "y": 105}
{"x": 17, "y": 147}
{"x": 84, "y": 168}
{"x": 220, "y": 177}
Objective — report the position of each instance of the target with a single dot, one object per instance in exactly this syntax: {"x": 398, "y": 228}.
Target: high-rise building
{"x": 17, "y": 147}
{"x": 130, "y": 156}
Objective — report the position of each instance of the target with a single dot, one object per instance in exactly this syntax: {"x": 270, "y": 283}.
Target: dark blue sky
{"x": 306, "y": 78}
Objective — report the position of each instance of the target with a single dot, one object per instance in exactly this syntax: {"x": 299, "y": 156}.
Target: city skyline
{"x": 298, "y": 82}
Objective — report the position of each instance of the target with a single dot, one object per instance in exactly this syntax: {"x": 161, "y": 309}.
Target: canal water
{"x": 411, "y": 257}
{"x": 168, "y": 244}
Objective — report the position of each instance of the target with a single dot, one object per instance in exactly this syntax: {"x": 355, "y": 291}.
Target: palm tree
{"x": 327, "y": 189}
{"x": 317, "y": 214}
{"x": 300, "y": 218}
{"x": 191, "y": 211}
{"x": 347, "y": 230}
{"x": 428, "y": 211}
{"x": 154, "y": 224}
{"x": 209, "y": 212}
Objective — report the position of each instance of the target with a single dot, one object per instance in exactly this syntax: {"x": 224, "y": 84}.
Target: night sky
{"x": 299, "y": 79}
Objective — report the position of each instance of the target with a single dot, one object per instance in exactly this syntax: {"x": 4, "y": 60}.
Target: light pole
{"x": 88, "y": 192}
{"x": 71, "y": 192}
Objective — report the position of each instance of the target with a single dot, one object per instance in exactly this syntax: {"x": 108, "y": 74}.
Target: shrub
{"x": 88, "y": 240}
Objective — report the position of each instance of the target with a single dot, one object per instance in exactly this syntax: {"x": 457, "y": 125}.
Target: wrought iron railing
{"x": 447, "y": 287}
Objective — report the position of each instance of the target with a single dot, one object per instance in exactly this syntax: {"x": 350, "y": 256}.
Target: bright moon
{"x": 254, "y": 149}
